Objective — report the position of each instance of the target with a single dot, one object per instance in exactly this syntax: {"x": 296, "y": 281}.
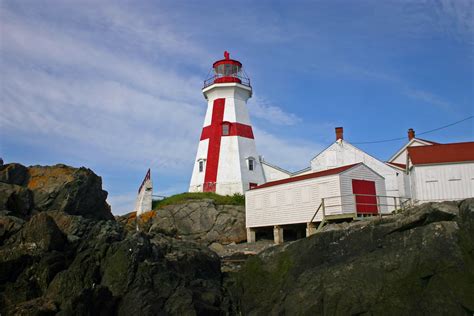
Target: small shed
{"x": 345, "y": 192}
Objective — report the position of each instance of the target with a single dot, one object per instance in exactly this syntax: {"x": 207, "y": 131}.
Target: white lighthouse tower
{"x": 227, "y": 161}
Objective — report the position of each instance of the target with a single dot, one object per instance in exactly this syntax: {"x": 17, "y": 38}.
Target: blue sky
{"x": 116, "y": 85}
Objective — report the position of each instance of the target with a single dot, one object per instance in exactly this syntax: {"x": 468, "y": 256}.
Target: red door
{"x": 366, "y": 202}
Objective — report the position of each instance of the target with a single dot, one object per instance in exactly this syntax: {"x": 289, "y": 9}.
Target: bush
{"x": 236, "y": 199}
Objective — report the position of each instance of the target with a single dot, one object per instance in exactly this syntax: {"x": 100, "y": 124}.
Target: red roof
{"x": 308, "y": 176}
{"x": 441, "y": 153}
{"x": 399, "y": 165}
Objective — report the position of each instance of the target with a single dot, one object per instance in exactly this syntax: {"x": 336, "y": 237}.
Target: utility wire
{"x": 422, "y": 133}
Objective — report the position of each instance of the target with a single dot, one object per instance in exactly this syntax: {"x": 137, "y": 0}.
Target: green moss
{"x": 262, "y": 281}
{"x": 236, "y": 199}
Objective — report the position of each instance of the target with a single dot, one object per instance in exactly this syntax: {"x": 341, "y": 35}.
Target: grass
{"x": 236, "y": 199}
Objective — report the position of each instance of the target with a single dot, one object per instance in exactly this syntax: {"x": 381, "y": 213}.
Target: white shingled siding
{"x": 289, "y": 203}
{"x": 197, "y": 178}
{"x": 343, "y": 153}
{"x": 442, "y": 182}
{"x": 362, "y": 172}
{"x": 248, "y": 150}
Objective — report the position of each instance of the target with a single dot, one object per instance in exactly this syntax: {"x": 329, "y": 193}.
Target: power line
{"x": 422, "y": 133}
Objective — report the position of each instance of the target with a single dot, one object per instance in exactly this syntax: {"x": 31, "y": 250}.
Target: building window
{"x": 201, "y": 165}
{"x": 225, "y": 129}
{"x": 251, "y": 164}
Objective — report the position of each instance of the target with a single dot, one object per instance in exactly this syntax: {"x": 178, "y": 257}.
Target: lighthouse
{"x": 227, "y": 161}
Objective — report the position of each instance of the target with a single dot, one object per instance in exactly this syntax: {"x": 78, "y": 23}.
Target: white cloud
{"x": 428, "y": 97}
{"x": 263, "y": 109}
{"x": 76, "y": 96}
{"x": 288, "y": 153}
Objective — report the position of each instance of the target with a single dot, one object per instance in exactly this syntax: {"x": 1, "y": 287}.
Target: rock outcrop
{"x": 61, "y": 254}
{"x": 420, "y": 262}
{"x": 199, "y": 220}
{"x": 76, "y": 191}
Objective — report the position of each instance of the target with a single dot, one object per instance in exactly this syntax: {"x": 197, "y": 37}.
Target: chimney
{"x": 411, "y": 134}
{"x": 339, "y": 133}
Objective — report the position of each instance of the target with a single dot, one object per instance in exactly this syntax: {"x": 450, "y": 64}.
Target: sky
{"x": 116, "y": 85}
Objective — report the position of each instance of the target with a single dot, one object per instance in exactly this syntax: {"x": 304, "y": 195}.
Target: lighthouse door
{"x": 365, "y": 196}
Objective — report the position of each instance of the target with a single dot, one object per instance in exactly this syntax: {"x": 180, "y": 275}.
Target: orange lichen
{"x": 42, "y": 177}
{"x": 132, "y": 218}
{"x": 147, "y": 216}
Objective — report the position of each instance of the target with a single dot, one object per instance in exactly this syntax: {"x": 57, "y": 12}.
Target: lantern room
{"x": 227, "y": 71}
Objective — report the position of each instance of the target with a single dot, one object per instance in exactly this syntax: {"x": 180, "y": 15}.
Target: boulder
{"x": 42, "y": 232}
{"x": 15, "y": 199}
{"x": 9, "y": 225}
{"x": 71, "y": 190}
{"x": 14, "y": 173}
{"x": 200, "y": 220}
{"x": 417, "y": 262}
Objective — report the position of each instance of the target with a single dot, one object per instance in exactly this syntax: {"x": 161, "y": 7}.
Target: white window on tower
{"x": 201, "y": 165}
{"x": 251, "y": 164}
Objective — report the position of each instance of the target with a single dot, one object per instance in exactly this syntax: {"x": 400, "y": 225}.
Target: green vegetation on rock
{"x": 236, "y": 199}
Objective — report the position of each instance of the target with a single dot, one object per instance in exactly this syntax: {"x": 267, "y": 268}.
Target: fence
{"x": 357, "y": 206}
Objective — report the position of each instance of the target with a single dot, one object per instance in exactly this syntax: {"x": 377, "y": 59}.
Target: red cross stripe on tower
{"x": 214, "y": 133}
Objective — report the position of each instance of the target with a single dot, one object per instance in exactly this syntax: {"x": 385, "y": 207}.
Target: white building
{"x": 347, "y": 191}
{"x": 399, "y": 161}
{"x": 227, "y": 161}
{"x": 400, "y": 157}
{"x": 441, "y": 172}
{"x": 342, "y": 153}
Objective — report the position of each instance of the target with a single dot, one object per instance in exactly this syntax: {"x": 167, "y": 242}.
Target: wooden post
{"x": 251, "y": 237}
{"x": 324, "y": 208}
{"x": 355, "y": 204}
{"x": 310, "y": 229}
{"x": 278, "y": 234}
{"x": 378, "y": 206}
{"x": 395, "y": 202}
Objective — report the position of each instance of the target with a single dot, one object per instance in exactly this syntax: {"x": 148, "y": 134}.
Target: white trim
{"x": 226, "y": 85}
{"x": 395, "y": 167}
{"x": 442, "y": 163}
{"x": 401, "y": 150}
{"x": 276, "y": 167}
{"x": 361, "y": 163}
{"x": 299, "y": 172}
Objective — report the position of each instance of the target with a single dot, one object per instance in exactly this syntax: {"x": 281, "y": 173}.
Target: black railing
{"x": 219, "y": 78}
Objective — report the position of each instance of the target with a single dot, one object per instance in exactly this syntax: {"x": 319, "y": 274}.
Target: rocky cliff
{"x": 420, "y": 262}
{"x": 61, "y": 252}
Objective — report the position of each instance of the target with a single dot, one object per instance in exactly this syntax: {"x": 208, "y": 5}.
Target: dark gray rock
{"x": 200, "y": 220}
{"x": 71, "y": 190}
{"x": 70, "y": 265}
{"x": 417, "y": 262}
{"x": 14, "y": 173}
{"x": 76, "y": 191}
{"x": 41, "y": 232}
{"x": 15, "y": 199}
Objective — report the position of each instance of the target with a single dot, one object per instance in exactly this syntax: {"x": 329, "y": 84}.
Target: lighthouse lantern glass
{"x": 227, "y": 69}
